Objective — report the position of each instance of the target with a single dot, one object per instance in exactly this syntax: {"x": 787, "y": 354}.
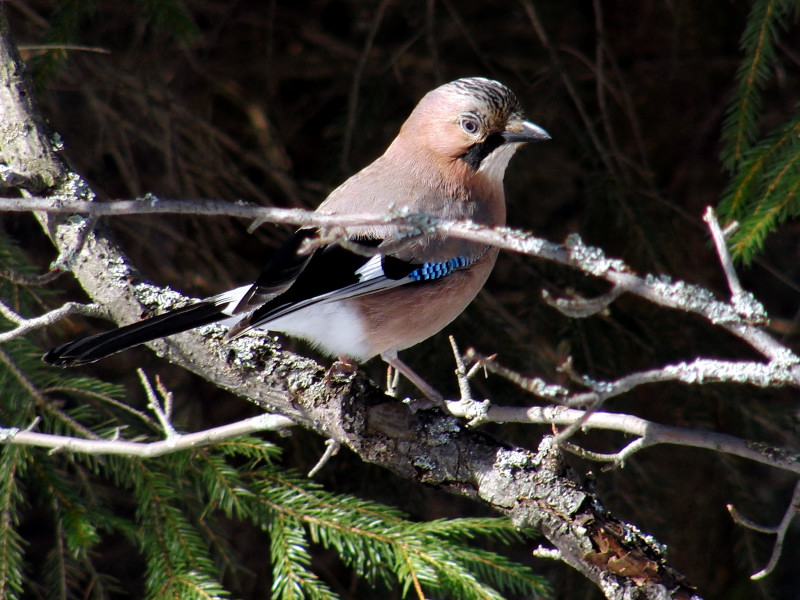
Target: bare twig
{"x": 30, "y": 280}
{"x": 25, "y": 326}
{"x": 535, "y": 385}
{"x": 465, "y": 393}
{"x": 740, "y": 519}
{"x": 700, "y": 371}
{"x": 651, "y": 434}
{"x": 151, "y": 205}
{"x": 616, "y": 458}
{"x": 780, "y": 530}
{"x": 587, "y": 121}
{"x": 163, "y": 413}
{"x": 601, "y": 85}
{"x": 332, "y": 447}
{"x": 744, "y": 302}
{"x": 697, "y": 372}
{"x": 471, "y": 39}
{"x": 722, "y": 251}
{"x": 430, "y": 37}
{"x": 42, "y": 48}
{"x": 473, "y": 410}
{"x": 580, "y": 308}
{"x": 119, "y": 447}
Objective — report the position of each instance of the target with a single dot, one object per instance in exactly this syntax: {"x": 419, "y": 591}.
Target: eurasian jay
{"x": 448, "y": 161}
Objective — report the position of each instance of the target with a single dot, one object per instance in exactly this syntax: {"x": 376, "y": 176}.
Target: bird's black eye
{"x": 470, "y": 124}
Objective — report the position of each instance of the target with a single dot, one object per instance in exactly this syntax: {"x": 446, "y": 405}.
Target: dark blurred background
{"x": 276, "y": 103}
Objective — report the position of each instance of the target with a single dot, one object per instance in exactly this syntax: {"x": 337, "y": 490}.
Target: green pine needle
{"x": 13, "y": 462}
{"x": 762, "y": 193}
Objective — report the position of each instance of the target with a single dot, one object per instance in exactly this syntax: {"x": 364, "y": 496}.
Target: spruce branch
{"x": 763, "y": 189}
{"x": 758, "y": 44}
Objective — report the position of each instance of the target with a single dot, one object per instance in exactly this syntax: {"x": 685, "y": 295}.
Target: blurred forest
{"x": 277, "y": 102}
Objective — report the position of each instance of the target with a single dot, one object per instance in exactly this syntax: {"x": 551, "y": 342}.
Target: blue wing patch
{"x": 434, "y": 270}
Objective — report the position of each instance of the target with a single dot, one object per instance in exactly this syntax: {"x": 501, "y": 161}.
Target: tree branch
{"x": 25, "y": 326}
{"x": 173, "y": 443}
{"x": 649, "y": 433}
{"x": 780, "y": 531}
{"x": 743, "y": 317}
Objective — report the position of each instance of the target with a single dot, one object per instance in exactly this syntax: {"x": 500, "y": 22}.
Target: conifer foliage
{"x": 764, "y": 166}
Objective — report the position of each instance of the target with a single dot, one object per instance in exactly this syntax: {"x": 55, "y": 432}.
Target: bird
{"x": 379, "y": 291}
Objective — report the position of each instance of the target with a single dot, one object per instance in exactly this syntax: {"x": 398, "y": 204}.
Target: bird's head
{"x": 476, "y": 121}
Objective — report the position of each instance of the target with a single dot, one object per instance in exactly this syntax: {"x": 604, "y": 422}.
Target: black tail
{"x": 104, "y": 344}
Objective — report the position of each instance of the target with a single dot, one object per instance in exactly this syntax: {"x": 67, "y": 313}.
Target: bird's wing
{"x": 281, "y": 272}
{"x": 332, "y": 274}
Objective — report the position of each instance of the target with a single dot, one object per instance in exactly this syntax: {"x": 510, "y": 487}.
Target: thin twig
{"x": 430, "y": 36}
{"x": 332, "y": 447}
{"x": 473, "y": 410}
{"x": 701, "y": 371}
{"x": 153, "y": 404}
{"x": 740, "y": 519}
{"x": 168, "y": 397}
{"x": 25, "y": 326}
{"x": 651, "y": 434}
{"x": 600, "y": 89}
{"x": 534, "y": 385}
{"x": 725, "y": 260}
{"x": 465, "y": 393}
{"x": 62, "y": 48}
{"x": 780, "y": 531}
{"x": 30, "y": 280}
{"x": 580, "y": 308}
{"x": 586, "y": 119}
{"x": 609, "y": 457}
{"x": 59, "y": 443}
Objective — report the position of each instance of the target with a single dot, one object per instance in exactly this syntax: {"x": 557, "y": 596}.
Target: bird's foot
{"x": 342, "y": 367}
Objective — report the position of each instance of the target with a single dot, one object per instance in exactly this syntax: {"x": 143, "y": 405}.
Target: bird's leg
{"x": 431, "y": 394}
{"x": 392, "y": 381}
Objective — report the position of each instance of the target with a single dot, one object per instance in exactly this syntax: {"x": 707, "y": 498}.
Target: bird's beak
{"x": 530, "y": 133}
